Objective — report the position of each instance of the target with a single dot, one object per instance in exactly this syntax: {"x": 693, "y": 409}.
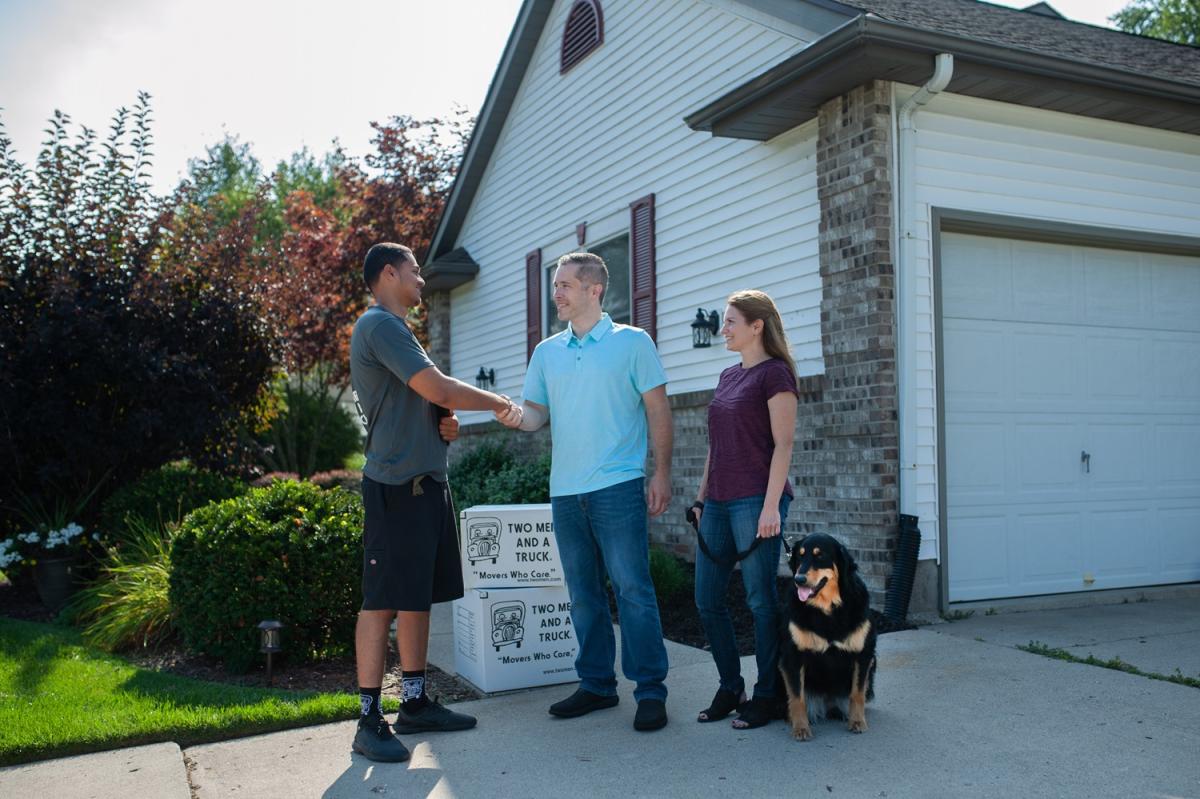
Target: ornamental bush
{"x": 490, "y": 475}
{"x": 163, "y": 496}
{"x": 290, "y": 551}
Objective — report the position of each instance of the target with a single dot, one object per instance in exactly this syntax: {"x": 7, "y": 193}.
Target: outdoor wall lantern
{"x": 704, "y": 327}
{"x": 270, "y": 642}
{"x": 485, "y": 378}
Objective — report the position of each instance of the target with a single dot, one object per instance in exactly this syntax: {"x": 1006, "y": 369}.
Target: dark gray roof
{"x": 450, "y": 270}
{"x": 1035, "y": 32}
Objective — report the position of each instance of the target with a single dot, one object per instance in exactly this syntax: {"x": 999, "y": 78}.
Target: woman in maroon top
{"x": 743, "y": 498}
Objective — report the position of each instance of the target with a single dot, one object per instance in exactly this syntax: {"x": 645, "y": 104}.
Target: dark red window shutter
{"x": 643, "y": 299}
{"x": 533, "y": 301}
{"x": 583, "y": 33}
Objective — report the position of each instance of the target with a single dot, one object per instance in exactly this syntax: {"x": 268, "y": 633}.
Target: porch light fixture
{"x": 704, "y": 327}
{"x": 485, "y": 378}
{"x": 270, "y": 642}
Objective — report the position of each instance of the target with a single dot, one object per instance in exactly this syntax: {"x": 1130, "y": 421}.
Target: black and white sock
{"x": 412, "y": 690}
{"x": 369, "y": 700}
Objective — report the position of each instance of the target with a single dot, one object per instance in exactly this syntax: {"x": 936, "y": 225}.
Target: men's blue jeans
{"x": 728, "y": 528}
{"x": 607, "y": 528}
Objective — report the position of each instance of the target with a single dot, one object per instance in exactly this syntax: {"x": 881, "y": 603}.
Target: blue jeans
{"x": 608, "y": 528}
{"x": 728, "y": 528}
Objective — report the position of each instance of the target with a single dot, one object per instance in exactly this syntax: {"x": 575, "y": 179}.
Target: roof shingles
{"x": 1038, "y": 33}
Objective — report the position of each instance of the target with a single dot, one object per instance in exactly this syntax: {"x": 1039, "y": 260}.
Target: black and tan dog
{"x": 827, "y": 655}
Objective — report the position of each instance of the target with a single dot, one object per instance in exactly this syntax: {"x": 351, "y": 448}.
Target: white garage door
{"x": 1072, "y": 417}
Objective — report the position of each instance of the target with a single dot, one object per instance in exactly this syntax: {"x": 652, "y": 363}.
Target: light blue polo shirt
{"x": 593, "y": 387}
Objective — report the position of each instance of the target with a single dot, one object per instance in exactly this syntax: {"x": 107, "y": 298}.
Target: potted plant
{"x": 53, "y": 555}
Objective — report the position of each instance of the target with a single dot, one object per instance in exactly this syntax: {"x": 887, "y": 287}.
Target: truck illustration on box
{"x": 483, "y": 538}
{"x": 508, "y": 623}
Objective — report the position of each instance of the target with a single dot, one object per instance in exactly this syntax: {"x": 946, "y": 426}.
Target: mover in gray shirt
{"x": 410, "y": 544}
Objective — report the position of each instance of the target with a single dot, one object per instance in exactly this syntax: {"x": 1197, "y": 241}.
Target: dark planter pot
{"x": 55, "y": 580}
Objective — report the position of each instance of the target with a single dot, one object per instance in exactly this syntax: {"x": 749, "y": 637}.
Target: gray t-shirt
{"x": 402, "y": 435}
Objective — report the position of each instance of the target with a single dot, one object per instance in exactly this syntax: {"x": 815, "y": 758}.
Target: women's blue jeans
{"x": 728, "y": 528}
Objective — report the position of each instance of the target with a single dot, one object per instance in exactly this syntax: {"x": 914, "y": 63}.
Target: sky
{"x": 278, "y": 75}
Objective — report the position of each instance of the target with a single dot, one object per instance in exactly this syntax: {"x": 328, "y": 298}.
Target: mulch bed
{"x": 680, "y": 621}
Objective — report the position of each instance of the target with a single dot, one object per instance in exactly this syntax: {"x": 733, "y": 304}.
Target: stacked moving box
{"x": 512, "y": 629}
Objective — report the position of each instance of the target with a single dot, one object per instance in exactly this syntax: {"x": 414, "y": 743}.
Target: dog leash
{"x": 690, "y": 515}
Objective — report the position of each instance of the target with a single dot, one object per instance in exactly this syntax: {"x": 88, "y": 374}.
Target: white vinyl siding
{"x": 990, "y": 157}
{"x": 580, "y": 147}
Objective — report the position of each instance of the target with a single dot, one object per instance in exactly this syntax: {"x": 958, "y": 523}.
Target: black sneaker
{"x": 581, "y": 703}
{"x": 375, "y": 741}
{"x": 651, "y": 715}
{"x": 432, "y": 718}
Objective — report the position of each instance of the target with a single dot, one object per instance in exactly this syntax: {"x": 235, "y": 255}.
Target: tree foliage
{"x": 1173, "y": 20}
{"x": 113, "y": 358}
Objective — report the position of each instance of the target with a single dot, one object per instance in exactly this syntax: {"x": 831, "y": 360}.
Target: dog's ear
{"x": 846, "y": 565}
{"x": 794, "y": 558}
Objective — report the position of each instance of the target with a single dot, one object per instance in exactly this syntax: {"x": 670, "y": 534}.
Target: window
{"x": 582, "y": 34}
{"x": 616, "y": 301}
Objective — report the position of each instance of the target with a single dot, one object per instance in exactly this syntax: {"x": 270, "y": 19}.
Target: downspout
{"x": 907, "y": 226}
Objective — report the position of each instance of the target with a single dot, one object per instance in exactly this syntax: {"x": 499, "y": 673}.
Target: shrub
{"x": 127, "y": 606}
{"x": 290, "y": 551}
{"x": 312, "y": 433}
{"x": 520, "y": 483}
{"x": 349, "y": 479}
{"x": 273, "y": 477}
{"x": 670, "y": 577}
{"x": 162, "y": 497}
{"x": 489, "y": 475}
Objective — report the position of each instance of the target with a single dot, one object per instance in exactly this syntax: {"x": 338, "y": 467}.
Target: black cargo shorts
{"x": 410, "y": 545}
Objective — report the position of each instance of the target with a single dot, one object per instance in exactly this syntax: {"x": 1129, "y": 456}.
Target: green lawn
{"x": 59, "y": 696}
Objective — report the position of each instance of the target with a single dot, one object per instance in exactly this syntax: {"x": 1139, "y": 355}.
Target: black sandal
{"x": 755, "y": 713}
{"x": 724, "y": 703}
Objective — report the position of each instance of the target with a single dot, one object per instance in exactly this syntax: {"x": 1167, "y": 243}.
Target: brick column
{"x": 848, "y": 443}
{"x": 437, "y": 321}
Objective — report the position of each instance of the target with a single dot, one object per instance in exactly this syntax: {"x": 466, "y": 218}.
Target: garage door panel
{"x": 1112, "y": 289}
{"x": 1046, "y": 456}
{"x": 1180, "y": 557}
{"x": 1117, "y": 372}
{"x": 1176, "y": 293}
{"x": 1177, "y": 458}
{"x": 981, "y": 284}
{"x": 1045, "y": 283}
{"x": 975, "y": 358}
{"x": 1119, "y": 463}
{"x": 1049, "y": 550}
{"x": 1177, "y": 373}
{"x": 1045, "y": 369}
{"x": 980, "y": 544}
{"x": 1050, "y": 351}
{"x": 1119, "y": 553}
{"x": 977, "y": 475}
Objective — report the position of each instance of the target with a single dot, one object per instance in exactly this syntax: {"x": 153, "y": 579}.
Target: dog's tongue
{"x": 804, "y": 592}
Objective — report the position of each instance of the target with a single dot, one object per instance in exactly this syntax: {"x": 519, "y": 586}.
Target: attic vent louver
{"x": 583, "y": 33}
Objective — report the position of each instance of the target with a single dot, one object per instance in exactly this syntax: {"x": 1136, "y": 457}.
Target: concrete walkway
{"x": 954, "y": 716}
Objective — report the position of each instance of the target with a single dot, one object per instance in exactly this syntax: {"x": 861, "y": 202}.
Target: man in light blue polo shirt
{"x": 603, "y": 389}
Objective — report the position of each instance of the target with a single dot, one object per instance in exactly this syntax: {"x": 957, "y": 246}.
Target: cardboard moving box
{"x": 514, "y": 638}
{"x": 509, "y": 546}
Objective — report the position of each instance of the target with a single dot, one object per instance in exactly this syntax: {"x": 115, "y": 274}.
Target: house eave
{"x": 869, "y": 48}
{"x": 454, "y": 269}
